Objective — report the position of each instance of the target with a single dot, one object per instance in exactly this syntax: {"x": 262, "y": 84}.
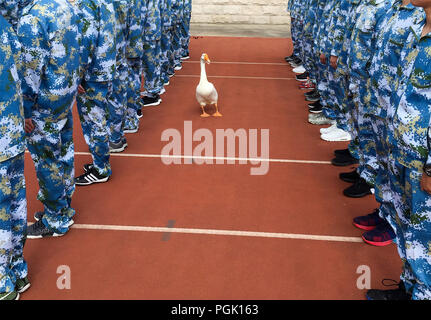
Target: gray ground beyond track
{"x": 241, "y": 30}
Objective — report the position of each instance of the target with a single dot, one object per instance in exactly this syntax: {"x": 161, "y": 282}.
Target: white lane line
{"x": 232, "y": 77}
{"x": 244, "y": 63}
{"x": 219, "y": 232}
{"x": 132, "y": 155}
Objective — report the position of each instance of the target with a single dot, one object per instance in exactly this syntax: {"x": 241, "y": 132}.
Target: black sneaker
{"x": 139, "y": 113}
{"x": 350, "y": 177}
{"x": 89, "y": 177}
{"x": 342, "y": 152}
{"x": 358, "y": 190}
{"x": 39, "y": 215}
{"x": 316, "y": 109}
{"x": 314, "y": 104}
{"x": 289, "y": 58}
{"x": 38, "y": 230}
{"x": 342, "y": 161}
{"x": 22, "y": 285}
{"x": 313, "y": 97}
{"x": 302, "y": 77}
{"x": 311, "y": 93}
{"x": 148, "y": 101}
{"x": 118, "y": 147}
{"x": 395, "y": 294}
{"x": 296, "y": 62}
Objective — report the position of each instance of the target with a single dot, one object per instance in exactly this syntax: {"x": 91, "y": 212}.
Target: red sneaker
{"x": 368, "y": 222}
{"x": 307, "y": 85}
{"x": 381, "y": 236}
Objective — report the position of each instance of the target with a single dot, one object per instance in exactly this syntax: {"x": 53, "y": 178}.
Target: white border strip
{"x": 255, "y": 160}
{"x": 244, "y": 63}
{"x": 232, "y": 77}
{"x": 218, "y": 232}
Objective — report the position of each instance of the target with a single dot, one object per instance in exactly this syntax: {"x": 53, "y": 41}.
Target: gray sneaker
{"x": 319, "y": 119}
{"x": 39, "y": 215}
{"x": 118, "y": 147}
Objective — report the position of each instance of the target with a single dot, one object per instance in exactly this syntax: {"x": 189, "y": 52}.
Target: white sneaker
{"x": 328, "y": 129}
{"x": 319, "y": 119}
{"x": 336, "y": 135}
{"x": 162, "y": 91}
{"x": 299, "y": 69}
{"x": 178, "y": 67}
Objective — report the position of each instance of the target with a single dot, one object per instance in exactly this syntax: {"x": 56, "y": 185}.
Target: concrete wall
{"x": 250, "y": 12}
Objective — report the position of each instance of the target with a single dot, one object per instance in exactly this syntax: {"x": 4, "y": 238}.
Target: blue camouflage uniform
{"x": 153, "y": 58}
{"x": 12, "y": 10}
{"x": 134, "y": 54}
{"x": 383, "y": 74}
{"x": 118, "y": 99}
{"x": 177, "y": 12}
{"x": 48, "y": 32}
{"x": 13, "y": 204}
{"x": 297, "y": 24}
{"x": 98, "y": 51}
{"x": 167, "y": 69}
{"x": 411, "y": 134}
{"x": 309, "y": 54}
{"x": 340, "y": 48}
{"x": 368, "y": 23}
{"x": 185, "y": 27}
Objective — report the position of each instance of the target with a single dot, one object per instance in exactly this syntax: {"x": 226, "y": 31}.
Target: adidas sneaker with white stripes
{"x": 89, "y": 177}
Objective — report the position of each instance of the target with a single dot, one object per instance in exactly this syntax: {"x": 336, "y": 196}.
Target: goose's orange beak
{"x": 206, "y": 58}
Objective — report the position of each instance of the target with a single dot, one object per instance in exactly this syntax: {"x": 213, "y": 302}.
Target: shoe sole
{"x": 344, "y": 164}
{"x": 312, "y": 99}
{"x": 335, "y": 140}
{"x": 178, "y": 68}
{"x": 55, "y": 235}
{"x": 131, "y": 131}
{"x": 25, "y": 288}
{"x": 357, "y": 196}
{"x": 16, "y": 298}
{"x": 185, "y": 58}
{"x": 92, "y": 182}
{"x": 377, "y": 244}
{"x": 366, "y": 228}
{"x": 118, "y": 150}
{"x": 153, "y": 104}
{"x": 315, "y": 112}
{"x": 302, "y": 80}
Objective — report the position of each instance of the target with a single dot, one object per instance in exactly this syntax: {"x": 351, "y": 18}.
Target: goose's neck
{"x": 203, "y": 73}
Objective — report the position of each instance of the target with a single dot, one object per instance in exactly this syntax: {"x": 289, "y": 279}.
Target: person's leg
{"x": 164, "y": 48}
{"x": 13, "y": 223}
{"x": 117, "y": 103}
{"x": 151, "y": 66}
{"x": 50, "y": 153}
{"x": 133, "y": 94}
{"x": 93, "y": 113}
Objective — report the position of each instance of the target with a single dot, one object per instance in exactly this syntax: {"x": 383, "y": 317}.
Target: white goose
{"x": 206, "y": 93}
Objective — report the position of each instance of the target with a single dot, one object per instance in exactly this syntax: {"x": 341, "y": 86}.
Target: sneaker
{"x": 350, "y": 177}
{"x": 39, "y": 214}
{"x": 148, "y": 101}
{"x": 296, "y": 62}
{"x": 358, "y": 190}
{"x": 117, "y": 147}
{"x": 179, "y": 67}
{"x": 394, "y": 294}
{"x": 299, "y": 69}
{"x": 313, "y": 104}
{"x": 162, "y": 91}
{"x": 89, "y": 177}
{"x": 14, "y": 295}
{"x": 170, "y": 75}
{"x": 166, "y": 83}
{"x": 310, "y": 93}
{"x": 319, "y": 119}
{"x": 306, "y": 85}
{"x": 382, "y": 235}
{"x": 289, "y": 58}
{"x": 342, "y": 161}
{"x": 139, "y": 114}
{"x": 38, "y": 230}
{"x": 342, "y": 152}
{"x": 336, "y": 135}
{"x": 313, "y": 97}
{"x": 328, "y": 129}
{"x": 22, "y": 285}
{"x": 303, "y": 77}
{"x": 317, "y": 109}
{"x": 368, "y": 222}
{"x": 185, "y": 58}
{"x": 131, "y": 130}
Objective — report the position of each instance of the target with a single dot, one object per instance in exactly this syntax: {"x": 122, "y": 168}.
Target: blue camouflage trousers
{"x": 117, "y": 103}
{"x": 52, "y": 150}
{"x": 323, "y": 88}
{"x": 176, "y": 45}
{"x": 13, "y": 222}
{"x": 133, "y": 93}
{"x": 185, "y": 35}
{"x": 410, "y": 218}
{"x": 309, "y": 57}
{"x": 368, "y": 165}
{"x": 93, "y": 112}
{"x": 296, "y": 32}
{"x": 166, "y": 55}
{"x": 152, "y": 66}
